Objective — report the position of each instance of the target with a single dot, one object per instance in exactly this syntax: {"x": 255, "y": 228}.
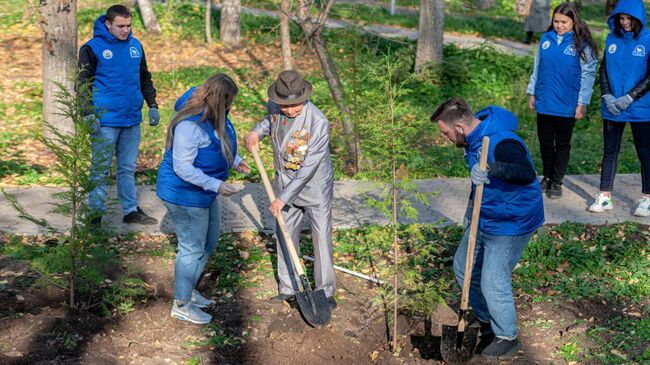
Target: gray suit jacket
{"x": 312, "y": 183}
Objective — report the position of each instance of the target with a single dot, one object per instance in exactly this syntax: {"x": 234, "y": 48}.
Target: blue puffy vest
{"x": 117, "y": 96}
{"x": 558, "y": 76}
{"x": 506, "y": 209}
{"x": 210, "y": 160}
{"x": 627, "y": 63}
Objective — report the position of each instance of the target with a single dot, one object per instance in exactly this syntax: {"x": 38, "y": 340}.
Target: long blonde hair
{"x": 211, "y": 101}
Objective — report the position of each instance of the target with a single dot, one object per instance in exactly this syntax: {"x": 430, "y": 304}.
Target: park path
{"x": 248, "y": 210}
{"x": 395, "y": 32}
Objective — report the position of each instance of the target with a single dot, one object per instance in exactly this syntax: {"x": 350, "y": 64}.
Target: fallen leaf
{"x": 374, "y": 355}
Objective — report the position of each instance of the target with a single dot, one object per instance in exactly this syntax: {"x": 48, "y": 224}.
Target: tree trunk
{"x": 149, "y": 17}
{"x": 285, "y": 36}
{"x": 59, "y": 26}
{"x": 312, "y": 30}
{"x": 485, "y": 4}
{"x": 430, "y": 34}
{"x": 208, "y": 17}
{"x": 229, "y": 27}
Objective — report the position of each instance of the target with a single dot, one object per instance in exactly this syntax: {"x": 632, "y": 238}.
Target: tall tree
{"x": 208, "y": 17}
{"x": 285, "y": 35}
{"x": 149, "y": 17}
{"x": 430, "y": 34}
{"x": 59, "y": 26}
{"x": 229, "y": 28}
{"x": 485, "y": 4}
{"x": 313, "y": 29}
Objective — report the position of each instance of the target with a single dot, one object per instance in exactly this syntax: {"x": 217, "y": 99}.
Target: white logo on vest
{"x": 134, "y": 52}
{"x": 107, "y": 54}
{"x": 570, "y": 50}
{"x": 639, "y": 51}
{"x": 612, "y": 48}
{"x": 546, "y": 44}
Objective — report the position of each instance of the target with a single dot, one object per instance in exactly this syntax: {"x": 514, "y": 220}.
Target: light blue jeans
{"x": 490, "y": 292}
{"x": 197, "y": 230}
{"x": 124, "y": 141}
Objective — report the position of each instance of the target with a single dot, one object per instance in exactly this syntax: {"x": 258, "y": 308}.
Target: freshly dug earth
{"x": 36, "y": 327}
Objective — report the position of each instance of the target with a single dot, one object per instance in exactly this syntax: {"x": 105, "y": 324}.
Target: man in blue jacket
{"x": 511, "y": 211}
{"x": 114, "y": 65}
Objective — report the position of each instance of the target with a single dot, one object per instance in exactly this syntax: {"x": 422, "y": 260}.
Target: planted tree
{"x": 388, "y": 135}
{"x": 74, "y": 163}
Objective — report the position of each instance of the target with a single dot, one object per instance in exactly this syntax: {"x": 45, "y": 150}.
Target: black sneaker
{"x": 555, "y": 190}
{"x": 332, "y": 302}
{"x": 485, "y": 337}
{"x": 289, "y": 298}
{"x": 545, "y": 184}
{"x": 501, "y": 348}
{"x": 139, "y": 217}
{"x": 95, "y": 223}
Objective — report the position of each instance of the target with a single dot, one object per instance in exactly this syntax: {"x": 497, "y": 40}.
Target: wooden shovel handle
{"x": 283, "y": 226}
{"x": 476, "y": 212}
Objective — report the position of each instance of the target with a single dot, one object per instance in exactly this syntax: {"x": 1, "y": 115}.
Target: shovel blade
{"x": 314, "y": 307}
{"x": 458, "y": 347}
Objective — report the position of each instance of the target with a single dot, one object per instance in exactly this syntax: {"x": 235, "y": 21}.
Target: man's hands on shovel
{"x": 252, "y": 142}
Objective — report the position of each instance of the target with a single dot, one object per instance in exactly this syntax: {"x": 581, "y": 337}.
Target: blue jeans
{"x": 124, "y": 141}
{"x": 490, "y": 291}
{"x": 197, "y": 231}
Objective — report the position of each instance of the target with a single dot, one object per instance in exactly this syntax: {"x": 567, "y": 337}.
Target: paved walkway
{"x": 394, "y": 32}
{"x": 248, "y": 210}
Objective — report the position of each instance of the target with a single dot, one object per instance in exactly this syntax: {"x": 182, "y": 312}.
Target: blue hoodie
{"x": 117, "y": 96}
{"x": 171, "y": 188}
{"x": 627, "y": 62}
{"x": 506, "y": 209}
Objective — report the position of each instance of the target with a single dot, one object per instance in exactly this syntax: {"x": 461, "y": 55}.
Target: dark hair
{"x": 581, "y": 31}
{"x": 453, "y": 110}
{"x": 117, "y": 10}
{"x": 618, "y": 28}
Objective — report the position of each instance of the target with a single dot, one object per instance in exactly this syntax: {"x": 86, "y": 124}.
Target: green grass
{"x": 624, "y": 336}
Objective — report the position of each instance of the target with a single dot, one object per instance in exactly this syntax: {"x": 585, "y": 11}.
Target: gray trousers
{"x": 320, "y": 219}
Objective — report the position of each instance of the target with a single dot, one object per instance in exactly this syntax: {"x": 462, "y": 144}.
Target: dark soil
{"x": 37, "y": 328}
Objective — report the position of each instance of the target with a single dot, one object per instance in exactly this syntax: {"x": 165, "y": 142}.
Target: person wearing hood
{"x": 200, "y": 150}
{"x": 511, "y": 211}
{"x": 560, "y": 89}
{"x": 624, "y": 84}
{"x": 113, "y": 64}
{"x": 304, "y": 176}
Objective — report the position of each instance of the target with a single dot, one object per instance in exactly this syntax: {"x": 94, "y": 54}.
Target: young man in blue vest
{"x": 113, "y": 63}
{"x": 511, "y": 211}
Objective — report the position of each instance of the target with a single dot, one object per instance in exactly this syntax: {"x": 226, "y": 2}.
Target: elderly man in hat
{"x": 300, "y": 135}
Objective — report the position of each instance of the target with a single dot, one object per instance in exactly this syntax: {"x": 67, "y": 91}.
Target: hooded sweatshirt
{"x": 117, "y": 96}
{"x": 506, "y": 209}
{"x": 626, "y": 65}
{"x": 209, "y": 160}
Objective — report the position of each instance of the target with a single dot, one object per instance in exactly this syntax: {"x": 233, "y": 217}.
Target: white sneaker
{"x": 601, "y": 204}
{"x": 191, "y": 313}
{"x": 201, "y": 301}
{"x": 643, "y": 209}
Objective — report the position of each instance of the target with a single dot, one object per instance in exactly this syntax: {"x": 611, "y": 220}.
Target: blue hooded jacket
{"x": 171, "y": 188}
{"x": 627, "y": 63}
{"x": 559, "y": 76}
{"x": 117, "y": 96}
{"x": 506, "y": 209}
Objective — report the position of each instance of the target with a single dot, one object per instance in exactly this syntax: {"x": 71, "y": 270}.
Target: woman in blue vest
{"x": 624, "y": 84}
{"x": 201, "y": 148}
{"x": 560, "y": 89}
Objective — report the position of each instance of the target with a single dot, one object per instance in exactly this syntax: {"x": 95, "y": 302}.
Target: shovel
{"x": 313, "y": 304}
{"x": 459, "y": 342}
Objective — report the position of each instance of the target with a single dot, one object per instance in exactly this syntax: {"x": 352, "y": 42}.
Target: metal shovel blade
{"x": 458, "y": 347}
{"x": 314, "y": 307}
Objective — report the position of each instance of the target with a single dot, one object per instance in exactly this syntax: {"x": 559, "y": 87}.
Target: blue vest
{"x": 210, "y": 160}
{"x": 506, "y": 209}
{"x": 558, "y": 76}
{"x": 117, "y": 96}
{"x": 627, "y": 63}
